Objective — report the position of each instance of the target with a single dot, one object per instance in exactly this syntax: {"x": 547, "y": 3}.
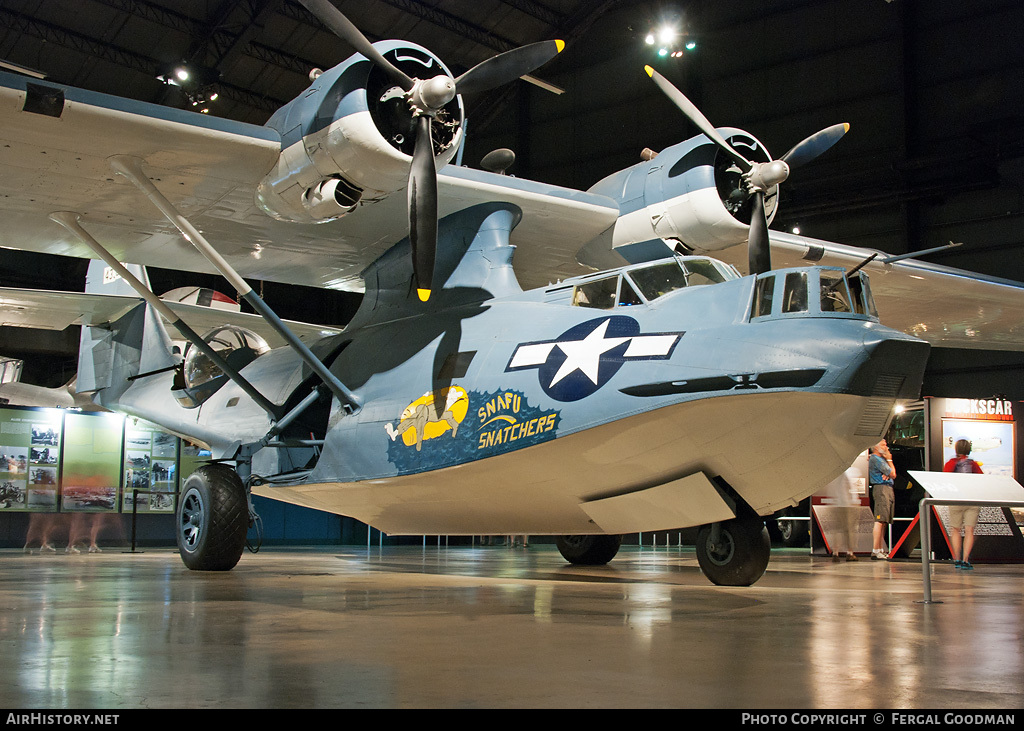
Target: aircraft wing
{"x": 47, "y": 310}
{"x": 947, "y": 307}
{"x": 55, "y": 148}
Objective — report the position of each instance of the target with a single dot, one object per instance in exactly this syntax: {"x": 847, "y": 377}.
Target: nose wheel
{"x": 212, "y": 519}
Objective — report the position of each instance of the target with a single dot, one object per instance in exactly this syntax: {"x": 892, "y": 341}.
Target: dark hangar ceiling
{"x": 933, "y": 90}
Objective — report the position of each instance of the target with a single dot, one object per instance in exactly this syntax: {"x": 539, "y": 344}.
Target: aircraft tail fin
{"x": 111, "y": 352}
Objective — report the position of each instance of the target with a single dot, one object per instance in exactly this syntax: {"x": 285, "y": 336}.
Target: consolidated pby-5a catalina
{"x": 667, "y": 390}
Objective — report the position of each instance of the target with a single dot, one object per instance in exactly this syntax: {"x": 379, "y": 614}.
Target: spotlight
{"x": 649, "y": 40}
{"x": 181, "y": 73}
{"x": 690, "y": 45}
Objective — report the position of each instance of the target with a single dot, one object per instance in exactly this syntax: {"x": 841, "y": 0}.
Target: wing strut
{"x": 70, "y": 221}
{"x": 131, "y": 168}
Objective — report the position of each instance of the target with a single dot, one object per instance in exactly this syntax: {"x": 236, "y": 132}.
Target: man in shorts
{"x": 881, "y": 475}
{"x": 962, "y": 516}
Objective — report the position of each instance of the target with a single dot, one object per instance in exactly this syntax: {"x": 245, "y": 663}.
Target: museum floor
{"x": 494, "y": 627}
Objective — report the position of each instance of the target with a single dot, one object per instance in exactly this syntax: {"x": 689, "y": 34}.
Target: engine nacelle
{"x": 349, "y": 138}
{"x": 691, "y": 194}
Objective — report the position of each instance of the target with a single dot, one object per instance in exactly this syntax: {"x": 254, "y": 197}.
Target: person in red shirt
{"x": 962, "y": 515}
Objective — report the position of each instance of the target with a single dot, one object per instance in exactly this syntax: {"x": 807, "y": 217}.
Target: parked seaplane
{"x": 667, "y": 390}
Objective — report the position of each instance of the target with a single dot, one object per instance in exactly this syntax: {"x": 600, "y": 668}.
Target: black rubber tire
{"x": 212, "y": 519}
{"x": 588, "y": 550}
{"x": 742, "y": 555}
{"x": 794, "y": 532}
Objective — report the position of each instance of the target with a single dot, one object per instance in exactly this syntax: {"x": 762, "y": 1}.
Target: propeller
{"x": 426, "y": 97}
{"x": 758, "y": 177}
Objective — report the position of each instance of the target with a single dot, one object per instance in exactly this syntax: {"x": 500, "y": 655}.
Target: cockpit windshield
{"x": 648, "y": 283}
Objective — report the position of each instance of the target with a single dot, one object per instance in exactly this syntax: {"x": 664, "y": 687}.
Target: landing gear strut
{"x": 212, "y": 519}
{"x": 588, "y": 550}
{"x": 735, "y": 552}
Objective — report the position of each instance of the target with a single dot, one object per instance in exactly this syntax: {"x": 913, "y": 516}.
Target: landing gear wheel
{"x": 212, "y": 519}
{"x": 793, "y": 532}
{"x": 588, "y": 550}
{"x": 741, "y": 554}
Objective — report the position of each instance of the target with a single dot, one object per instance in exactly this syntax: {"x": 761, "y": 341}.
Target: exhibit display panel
{"x": 150, "y": 468}
{"x": 55, "y": 460}
{"x": 990, "y": 425}
{"x": 30, "y": 442}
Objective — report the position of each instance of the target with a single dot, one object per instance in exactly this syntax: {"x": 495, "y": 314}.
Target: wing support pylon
{"x": 131, "y": 168}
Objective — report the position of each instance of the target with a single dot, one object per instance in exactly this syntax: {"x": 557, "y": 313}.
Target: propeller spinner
{"x": 425, "y": 98}
{"x": 758, "y": 177}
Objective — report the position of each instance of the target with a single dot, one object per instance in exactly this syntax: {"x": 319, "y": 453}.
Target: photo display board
{"x": 91, "y": 462}
{"x": 30, "y": 442}
{"x": 56, "y": 460}
{"x": 150, "y": 467}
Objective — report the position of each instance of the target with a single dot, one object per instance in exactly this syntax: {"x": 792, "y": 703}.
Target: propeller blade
{"x": 423, "y": 208}
{"x": 694, "y": 115}
{"x": 759, "y": 253}
{"x": 507, "y": 66}
{"x": 815, "y": 145}
{"x": 342, "y": 27}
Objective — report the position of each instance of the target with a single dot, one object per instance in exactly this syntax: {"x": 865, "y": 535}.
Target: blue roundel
{"x": 585, "y": 357}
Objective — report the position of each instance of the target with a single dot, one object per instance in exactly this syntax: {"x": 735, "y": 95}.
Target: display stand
{"x": 996, "y": 492}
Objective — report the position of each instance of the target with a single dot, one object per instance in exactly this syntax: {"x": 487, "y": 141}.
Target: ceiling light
{"x": 667, "y": 34}
{"x": 649, "y": 40}
{"x": 181, "y": 73}
{"x": 690, "y": 45}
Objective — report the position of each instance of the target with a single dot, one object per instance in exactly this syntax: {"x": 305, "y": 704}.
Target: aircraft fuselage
{"x": 524, "y": 413}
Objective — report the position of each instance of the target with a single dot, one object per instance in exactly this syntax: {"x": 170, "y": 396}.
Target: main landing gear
{"x": 212, "y": 519}
{"x": 735, "y": 552}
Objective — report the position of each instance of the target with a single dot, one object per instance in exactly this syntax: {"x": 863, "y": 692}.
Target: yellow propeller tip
{"x": 559, "y": 45}
{"x": 846, "y": 127}
{"x": 650, "y": 71}
{"x": 423, "y": 294}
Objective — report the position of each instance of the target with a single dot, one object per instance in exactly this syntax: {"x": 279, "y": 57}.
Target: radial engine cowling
{"x": 690, "y": 193}
{"x": 349, "y": 138}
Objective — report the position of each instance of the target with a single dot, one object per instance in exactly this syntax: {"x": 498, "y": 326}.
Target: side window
{"x": 794, "y": 297}
{"x": 763, "y": 293}
{"x": 834, "y": 296}
{"x": 860, "y": 293}
{"x": 628, "y": 295}
{"x": 856, "y": 295}
{"x": 599, "y": 294}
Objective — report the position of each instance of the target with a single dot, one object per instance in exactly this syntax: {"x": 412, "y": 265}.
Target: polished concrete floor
{"x": 494, "y": 627}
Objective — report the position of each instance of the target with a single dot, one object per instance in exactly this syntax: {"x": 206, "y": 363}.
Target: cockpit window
{"x": 599, "y": 294}
{"x": 658, "y": 280}
{"x": 701, "y": 271}
{"x": 628, "y": 295}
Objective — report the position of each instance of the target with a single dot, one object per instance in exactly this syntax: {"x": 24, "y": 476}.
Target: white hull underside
{"x": 774, "y": 449}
